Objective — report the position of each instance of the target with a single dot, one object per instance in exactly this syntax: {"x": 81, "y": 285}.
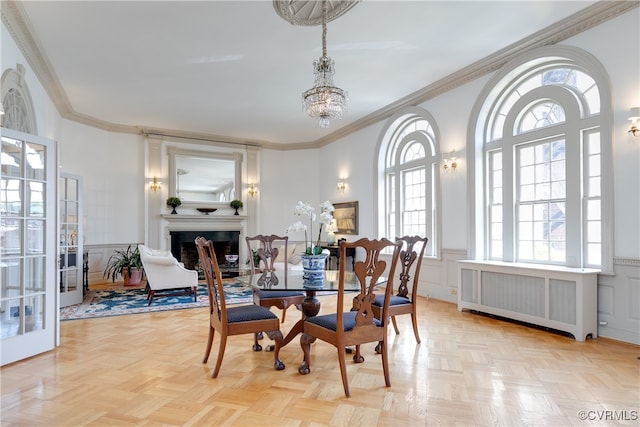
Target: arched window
{"x": 407, "y": 171}
{"x": 543, "y": 167}
{"x": 16, "y": 102}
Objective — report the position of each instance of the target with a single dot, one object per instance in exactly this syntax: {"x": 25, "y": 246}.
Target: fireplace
{"x": 183, "y": 245}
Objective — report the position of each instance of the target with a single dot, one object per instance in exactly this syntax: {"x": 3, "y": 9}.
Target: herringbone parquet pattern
{"x": 146, "y": 370}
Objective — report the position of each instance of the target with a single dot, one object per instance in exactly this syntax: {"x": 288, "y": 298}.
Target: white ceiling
{"x": 236, "y": 70}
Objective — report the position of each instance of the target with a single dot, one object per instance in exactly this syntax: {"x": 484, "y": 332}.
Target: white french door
{"x": 71, "y": 252}
{"x": 28, "y": 255}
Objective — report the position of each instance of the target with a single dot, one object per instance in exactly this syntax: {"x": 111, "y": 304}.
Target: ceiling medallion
{"x": 309, "y": 12}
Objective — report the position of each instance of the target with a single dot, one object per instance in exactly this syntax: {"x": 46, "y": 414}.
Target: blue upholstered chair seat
{"x": 248, "y": 312}
{"x": 395, "y": 300}
{"x": 328, "y": 321}
{"x": 277, "y": 294}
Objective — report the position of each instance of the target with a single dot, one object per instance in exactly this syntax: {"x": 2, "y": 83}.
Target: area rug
{"x": 121, "y": 301}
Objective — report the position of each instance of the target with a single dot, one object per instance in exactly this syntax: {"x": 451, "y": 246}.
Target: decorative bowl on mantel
{"x": 231, "y": 259}
{"x": 206, "y": 211}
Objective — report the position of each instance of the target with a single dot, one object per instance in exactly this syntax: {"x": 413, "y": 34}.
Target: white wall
{"x": 113, "y": 166}
{"x": 285, "y": 178}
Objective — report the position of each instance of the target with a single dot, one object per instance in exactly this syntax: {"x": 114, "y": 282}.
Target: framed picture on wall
{"x": 346, "y": 216}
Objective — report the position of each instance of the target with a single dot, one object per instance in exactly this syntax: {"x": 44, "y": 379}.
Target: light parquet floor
{"x": 146, "y": 370}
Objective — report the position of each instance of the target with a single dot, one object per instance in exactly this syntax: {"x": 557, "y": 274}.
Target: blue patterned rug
{"x": 120, "y": 301}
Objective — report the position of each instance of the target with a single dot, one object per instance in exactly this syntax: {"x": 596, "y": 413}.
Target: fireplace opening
{"x": 183, "y": 246}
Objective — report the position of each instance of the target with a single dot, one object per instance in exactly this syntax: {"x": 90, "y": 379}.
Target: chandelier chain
{"x": 324, "y": 101}
{"x": 324, "y": 28}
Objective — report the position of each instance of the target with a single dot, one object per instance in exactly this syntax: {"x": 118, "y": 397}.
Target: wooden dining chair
{"x": 404, "y": 301}
{"x": 267, "y": 249}
{"x": 236, "y": 320}
{"x": 357, "y": 325}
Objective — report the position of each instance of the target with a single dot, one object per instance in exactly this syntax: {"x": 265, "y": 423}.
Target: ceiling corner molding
{"x": 19, "y": 27}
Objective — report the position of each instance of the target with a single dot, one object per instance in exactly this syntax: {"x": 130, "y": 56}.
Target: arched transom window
{"x": 543, "y": 160}
{"x": 407, "y": 167}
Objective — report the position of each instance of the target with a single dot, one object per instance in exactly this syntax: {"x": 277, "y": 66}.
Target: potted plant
{"x": 314, "y": 258}
{"x": 236, "y": 204}
{"x": 126, "y": 262}
{"x": 174, "y": 202}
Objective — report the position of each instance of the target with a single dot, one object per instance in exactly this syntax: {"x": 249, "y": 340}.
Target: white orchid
{"x": 298, "y": 226}
{"x": 305, "y": 209}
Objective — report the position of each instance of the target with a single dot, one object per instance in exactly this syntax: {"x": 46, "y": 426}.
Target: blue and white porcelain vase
{"x": 313, "y": 268}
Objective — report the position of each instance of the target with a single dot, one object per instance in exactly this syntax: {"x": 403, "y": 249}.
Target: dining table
{"x": 293, "y": 280}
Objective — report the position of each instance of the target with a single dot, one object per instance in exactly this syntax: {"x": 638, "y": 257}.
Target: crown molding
{"x": 581, "y": 21}
{"x": 14, "y": 18}
{"x": 195, "y": 137}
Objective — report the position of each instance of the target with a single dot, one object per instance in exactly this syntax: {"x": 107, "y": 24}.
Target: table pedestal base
{"x": 310, "y": 308}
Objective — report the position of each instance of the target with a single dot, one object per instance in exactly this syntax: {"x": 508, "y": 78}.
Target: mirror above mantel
{"x": 204, "y": 179}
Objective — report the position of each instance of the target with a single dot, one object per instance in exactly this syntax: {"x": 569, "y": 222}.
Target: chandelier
{"x": 324, "y": 101}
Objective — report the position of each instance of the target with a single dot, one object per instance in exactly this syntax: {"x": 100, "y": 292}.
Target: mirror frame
{"x": 235, "y": 157}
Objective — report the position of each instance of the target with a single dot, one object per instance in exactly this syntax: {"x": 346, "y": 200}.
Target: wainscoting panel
{"x": 619, "y": 301}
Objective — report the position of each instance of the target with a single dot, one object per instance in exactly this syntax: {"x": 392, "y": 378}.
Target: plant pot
{"x": 313, "y": 268}
{"x": 174, "y": 212}
{"x": 135, "y": 279}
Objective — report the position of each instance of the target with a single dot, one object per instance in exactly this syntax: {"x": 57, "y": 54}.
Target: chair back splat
{"x": 236, "y": 320}
{"x": 267, "y": 249}
{"x": 404, "y": 302}
{"x": 356, "y": 325}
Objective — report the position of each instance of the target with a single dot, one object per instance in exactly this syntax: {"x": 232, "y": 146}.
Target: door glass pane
{"x": 35, "y": 272}
{"x": 34, "y": 313}
{"x": 10, "y": 318}
{"x": 35, "y": 162}
{"x": 11, "y": 157}
{"x": 11, "y": 236}
{"x": 72, "y": 190}
{"x": 11, "y": 277}
{"x": 11, "y": 197}
{"x": 36, "y": 199}
{"x": 35, "y": 237}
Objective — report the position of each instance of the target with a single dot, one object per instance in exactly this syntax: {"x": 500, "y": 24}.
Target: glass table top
{"x": 293, "y": 281}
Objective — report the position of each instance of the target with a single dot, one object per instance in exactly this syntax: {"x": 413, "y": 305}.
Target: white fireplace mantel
{"x": 204, "y": 223}
{"x": 199, "y": 218}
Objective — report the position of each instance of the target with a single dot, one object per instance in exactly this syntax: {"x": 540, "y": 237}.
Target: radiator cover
{"x": 560, "y": 298}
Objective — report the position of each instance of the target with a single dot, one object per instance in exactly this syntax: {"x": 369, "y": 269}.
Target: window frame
{"x": 392, "y": 144}
{"x": 578, "y": 124}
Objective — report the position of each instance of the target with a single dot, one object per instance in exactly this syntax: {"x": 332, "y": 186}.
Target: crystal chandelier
{"x": 324, "y": 101}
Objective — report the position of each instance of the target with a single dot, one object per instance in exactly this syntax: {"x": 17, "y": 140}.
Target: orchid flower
{"x": 305, "y": 209}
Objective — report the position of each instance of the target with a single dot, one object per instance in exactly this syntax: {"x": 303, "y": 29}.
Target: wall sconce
{"x": 342, "y": 185}
{"x": 450, "y": 162}
{"x": 634, "y": 116}
{"x": 155, "y": 185}
{"x": 253, "y": 190}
